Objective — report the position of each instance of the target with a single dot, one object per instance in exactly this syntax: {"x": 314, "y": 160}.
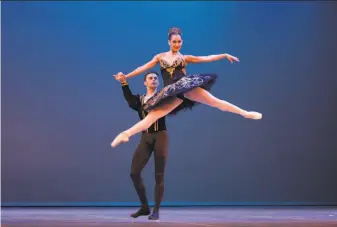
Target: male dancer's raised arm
{"x": 132, "y": 100}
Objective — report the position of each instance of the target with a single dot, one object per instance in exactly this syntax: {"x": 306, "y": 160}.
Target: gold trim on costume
{"x": 170, "y": 70}
{"x": 143, "y": 114}
{"x": 156, "y": 126}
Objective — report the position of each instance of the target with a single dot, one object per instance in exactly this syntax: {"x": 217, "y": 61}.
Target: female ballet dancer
{"x": 180, "y": 91}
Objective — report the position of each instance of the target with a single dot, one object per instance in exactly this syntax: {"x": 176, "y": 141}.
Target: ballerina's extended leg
{"x": 144, "y": 124}
{"x": 203, "y": 96}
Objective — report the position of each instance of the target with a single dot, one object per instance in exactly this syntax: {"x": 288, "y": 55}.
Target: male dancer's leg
{"x": 140, "y": 158}
{"x": 160, "y": 154}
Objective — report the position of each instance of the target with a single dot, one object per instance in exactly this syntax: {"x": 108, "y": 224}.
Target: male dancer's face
{"x": 151, "y": 81}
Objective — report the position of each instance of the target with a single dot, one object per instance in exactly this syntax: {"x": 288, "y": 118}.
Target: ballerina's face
{"x": 151, "y": 81}
{"x": 175, "y": 43}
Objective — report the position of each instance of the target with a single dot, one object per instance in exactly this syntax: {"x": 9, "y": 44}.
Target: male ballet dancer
{"x": 155, "y": 139}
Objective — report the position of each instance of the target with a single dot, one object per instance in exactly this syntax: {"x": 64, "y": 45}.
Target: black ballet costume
{"x": 176, "y": 84}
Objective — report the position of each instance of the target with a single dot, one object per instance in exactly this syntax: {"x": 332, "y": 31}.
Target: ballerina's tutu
{"x": 178, "y": 89}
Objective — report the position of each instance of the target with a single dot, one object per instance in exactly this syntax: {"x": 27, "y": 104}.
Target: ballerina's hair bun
{"x": 174, "y": 31}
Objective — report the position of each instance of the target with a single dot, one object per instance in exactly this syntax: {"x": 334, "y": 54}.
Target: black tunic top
{"x": 136, "y": 102}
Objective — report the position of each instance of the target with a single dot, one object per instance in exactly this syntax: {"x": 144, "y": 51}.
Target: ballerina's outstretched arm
{"x": 209, "y": 58}
{"x": 142, "y": 68}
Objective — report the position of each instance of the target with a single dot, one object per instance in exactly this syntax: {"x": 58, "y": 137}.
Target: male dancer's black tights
{"x": 157, "y": 142}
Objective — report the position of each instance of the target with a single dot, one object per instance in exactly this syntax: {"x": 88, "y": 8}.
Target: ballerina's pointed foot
{"x": 252, "y": 115}
{"x": 121, "y": 138}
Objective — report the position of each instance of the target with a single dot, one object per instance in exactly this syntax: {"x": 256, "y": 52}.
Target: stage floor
{"x": 169, "y": 217}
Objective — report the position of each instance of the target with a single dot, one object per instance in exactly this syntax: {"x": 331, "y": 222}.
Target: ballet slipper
{"x": 252, "y": 115}
{"x": 121, "y": 138}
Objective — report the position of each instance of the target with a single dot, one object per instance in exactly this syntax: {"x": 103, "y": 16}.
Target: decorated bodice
{"x": 172, "y": 72}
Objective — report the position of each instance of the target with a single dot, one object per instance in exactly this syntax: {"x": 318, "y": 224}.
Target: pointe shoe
{"x": 121, "y": 138}
{"x": 252, "y": 115}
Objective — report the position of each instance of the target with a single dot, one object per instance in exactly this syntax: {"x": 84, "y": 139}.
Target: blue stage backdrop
{"x": 61, "y": 108}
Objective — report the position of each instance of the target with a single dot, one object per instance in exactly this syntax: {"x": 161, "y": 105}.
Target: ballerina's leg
{"x": 144, "y": 124}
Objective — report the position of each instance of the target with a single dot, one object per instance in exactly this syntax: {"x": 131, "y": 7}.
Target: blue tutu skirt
{"x": 177, "y": 90}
